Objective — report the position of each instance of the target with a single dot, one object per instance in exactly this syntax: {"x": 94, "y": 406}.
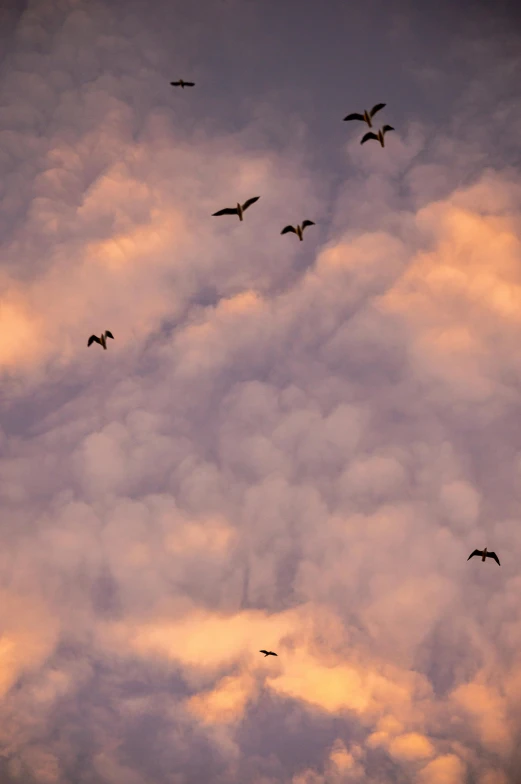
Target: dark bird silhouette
{"x": 379, "y": 136}
{"x": 299, "y": 230}
{"x": 102, "y": 340}
{"x": 484, "y": 554}
{"x": 268, "y": 653}
{"x": 239, "y": 209}
{"x": 182, "y": 84}
{"x": 366, "y": 116}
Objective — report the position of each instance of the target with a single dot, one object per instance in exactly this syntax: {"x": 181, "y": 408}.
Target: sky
{"x": 288, "y": 445}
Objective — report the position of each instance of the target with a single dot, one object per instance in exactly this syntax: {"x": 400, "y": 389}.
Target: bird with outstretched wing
{"x": 484, "y": 554}
{"x": 366, "y": 116}
{"x": 299, "y": 230}
{"x": 379, "y": 136}
{"x": 239, "y": 209}
{"x": 102, "y": 340}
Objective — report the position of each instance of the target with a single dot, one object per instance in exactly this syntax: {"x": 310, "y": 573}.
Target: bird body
{"x": 182, "y": 83}
{"x": 366, "y": 116}
{"x": 484, "y": 554}
{"x": 239, "y": 209}
{"x": 299, "y": 230}
{"x": 101, "y": 340}
{"x": 379, "y": 136}
{"x": 268, "y": 653}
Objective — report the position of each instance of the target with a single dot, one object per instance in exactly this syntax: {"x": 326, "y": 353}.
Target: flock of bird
{"x": 240, "y": 209}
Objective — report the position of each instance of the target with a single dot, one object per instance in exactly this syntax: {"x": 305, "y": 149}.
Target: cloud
{"x": 29, "y": 635}
{"x": 448, "y": 769}
{"x": 288, "y": 445}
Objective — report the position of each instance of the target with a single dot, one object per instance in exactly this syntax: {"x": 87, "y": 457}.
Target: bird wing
{"x": 189, "y": 84}
{"x": 307, "y": 223}
{"x": 266, "y": 652}
{"x": 387, "y": 128}
{"x": 369, "y": 136}
{"x": 476, "y": 552}
{"x": 93, "y": 339}
{"x": 376, "y": 108}
{"x": 287, "y": 229}
{"x": 109, "y": 334}
{"x": 175, "y": 84}
{"x": 494, "y": 556}
{"x": 273, "y": 654}
{"x": 249, "y": 202}
{"x": 354, "y": 116}
{"x": 227, "y": 211}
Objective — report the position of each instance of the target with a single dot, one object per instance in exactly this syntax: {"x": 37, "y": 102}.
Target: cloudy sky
{"x": 292, "y": 446}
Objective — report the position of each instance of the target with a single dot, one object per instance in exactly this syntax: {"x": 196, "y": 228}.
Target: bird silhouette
{"x": 299, "y": 230}
{"x": 379, "y": 136}
{"x": 182, "y": 84}
{"x": 102, "y": 340}
{"x": 366, "y": 116}
{"x": 239, "y": 209}
{"x": 484, "y": 554}
{"x": 268, "y": 653}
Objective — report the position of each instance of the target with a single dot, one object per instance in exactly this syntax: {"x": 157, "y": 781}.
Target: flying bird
{"x": 366, "y": 116}
{"x": 299, "y": 230}
{"x": 239, "y": 209}
{"x": 102, "y": 340}
{"x": 484, "y": 554}
{"x": 378, "y": 136}
{"x": 268, "y": 653}
{"x": 182, "y": 84}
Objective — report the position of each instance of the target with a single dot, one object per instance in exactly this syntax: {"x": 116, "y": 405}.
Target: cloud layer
{"x": 288, "y": 445}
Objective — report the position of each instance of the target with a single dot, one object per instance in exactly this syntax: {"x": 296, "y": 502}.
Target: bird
{"x": 378, "y": 136}
{"x": 299, "y": 230}
{"x": 182, "y": 84}
{"x": 102, "y": 340}
{"x": 366, "y": 116}
{"x": 239, "y": 209}
{"x": 484, "y": 554}
{"x": 268, "y": 653}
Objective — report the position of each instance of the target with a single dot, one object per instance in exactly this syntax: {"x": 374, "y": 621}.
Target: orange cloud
{"x": 346, "y": 763}
{"x": 204, "y": 640}
{"x": 29, "y": 633}
{"x": 411, "y": 746}
{"x": 487, "y": 711}
{"x": 226, "y": 702}
{"x": 333, "y": 689}
{"x": 492, "y": 777}
{"x": 20, "y": 332}
{"x": 448, "y": 769}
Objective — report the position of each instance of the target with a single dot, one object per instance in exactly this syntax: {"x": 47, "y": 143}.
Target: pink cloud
{"x": 287, "y": 445}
